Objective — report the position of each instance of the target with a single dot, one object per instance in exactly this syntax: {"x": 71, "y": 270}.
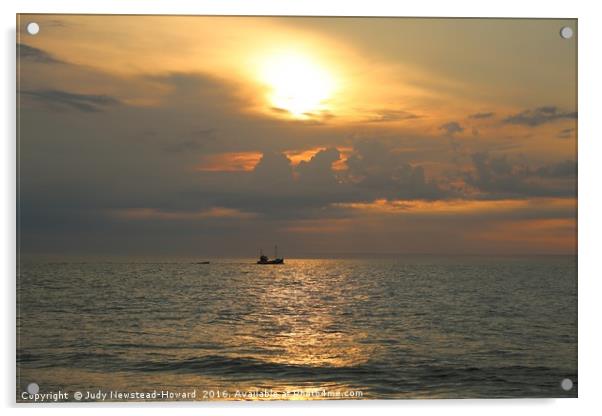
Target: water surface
{"x": 411, "y": 327}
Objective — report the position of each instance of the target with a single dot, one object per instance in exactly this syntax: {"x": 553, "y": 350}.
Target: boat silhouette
{"x": 263, "y": 259}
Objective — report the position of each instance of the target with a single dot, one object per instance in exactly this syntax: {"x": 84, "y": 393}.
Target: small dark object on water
{"x": 263, "y": 259}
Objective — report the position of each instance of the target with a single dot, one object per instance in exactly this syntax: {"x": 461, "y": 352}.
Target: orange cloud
{"x": 246, "y": 161}
{"x": 229, "y": 162}
{"x": 298, "y": 156}
{"x": 155, "y": 214}
{"x": 455, "y": 207}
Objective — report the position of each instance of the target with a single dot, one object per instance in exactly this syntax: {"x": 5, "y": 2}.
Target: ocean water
{"x": 409, "y": 327}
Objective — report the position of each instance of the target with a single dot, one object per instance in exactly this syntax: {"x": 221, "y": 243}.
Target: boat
{"x": 263, "y": 259}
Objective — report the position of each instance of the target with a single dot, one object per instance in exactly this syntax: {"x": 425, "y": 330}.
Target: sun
{"x": 297, "y": 84}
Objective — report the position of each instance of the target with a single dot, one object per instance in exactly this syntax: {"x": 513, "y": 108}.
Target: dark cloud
{"x": 189, "y": 81}
{"x": 278, "y": 190}
{"x": 318, "y": 170}
{"x": 273, "y": 169}
{"x": 377, "y": 171}
{"x": 498, "y": 177}
{"x": 88, "y": 103}
{"x": 191, "y": 144}
{"x": 451, "y": 128}
{"x": 565, "y": 133}
{"x": 480, "y": 116}
{"x": 538, "y": 116}
{"x": 271, "y": 190}
{"x": 183, "y": 146}
{"x": 565, "y": 169}
{"x": 37, "y": 55}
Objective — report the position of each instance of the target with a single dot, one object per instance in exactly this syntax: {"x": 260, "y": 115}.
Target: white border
{"x": 590, "y": 137}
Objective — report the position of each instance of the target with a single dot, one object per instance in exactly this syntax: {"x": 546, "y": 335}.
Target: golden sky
{"x": 342, "y": 134}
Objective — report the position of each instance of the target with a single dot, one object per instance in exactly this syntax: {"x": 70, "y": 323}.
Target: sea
{"x": 405, "y": 327}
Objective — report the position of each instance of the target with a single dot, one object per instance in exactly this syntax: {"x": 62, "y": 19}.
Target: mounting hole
{"x": 33, "y": 388}
{"x": 566, "y": 32}
{"x": 566, "y": 384}
{"x": 33, "y": 28}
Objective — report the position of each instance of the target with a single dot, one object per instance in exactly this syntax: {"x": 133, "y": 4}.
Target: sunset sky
{"x": 214, "y": 136}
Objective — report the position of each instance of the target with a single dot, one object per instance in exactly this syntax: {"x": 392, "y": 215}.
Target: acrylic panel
{"x": 295, "y": 208}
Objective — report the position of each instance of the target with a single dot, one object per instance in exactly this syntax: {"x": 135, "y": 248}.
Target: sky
{"x": 215, "y": 136}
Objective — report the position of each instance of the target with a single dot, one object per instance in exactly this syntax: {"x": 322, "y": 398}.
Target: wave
{"x": 381, "y": 378}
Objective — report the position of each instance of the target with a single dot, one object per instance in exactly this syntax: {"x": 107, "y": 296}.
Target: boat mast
{"x": 275, "y": 252}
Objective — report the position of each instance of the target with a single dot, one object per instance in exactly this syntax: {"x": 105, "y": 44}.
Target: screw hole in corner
{"x": 566, "y": 32}
{"x": 33, "y": 388}
{"x": 566, "y": 384}
{"x": 33, "y": 28}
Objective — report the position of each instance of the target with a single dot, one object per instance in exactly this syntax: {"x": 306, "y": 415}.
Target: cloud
{"x": 277, "y": 188}
{"x": 565, "y": 133}
{"x": 56, "y": 23}
{"x": 201, "y": 90}
{"x": 377, "y": 171}
{"x": 462, "y": 226}
{"x": 87, "y": 103}
{"x": 318, "y": 170}
{"x": 273, "y": 169}
{"x": 382, "y": 116}
{"x": 189, "y": 145}
{"x": 36, "y": 55}
{"x": 229, "y": 162}
{"x": 480, "y": 116}
{"x": 538, "y": 116}
{"x": 451, "y": 128}
{"x": 156, "y": 214}
{"x": 497, "y": 177}
{"x": 564, "y": 169}
{"x": 193, "y": 143}
{"x": 547, "y": 208}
